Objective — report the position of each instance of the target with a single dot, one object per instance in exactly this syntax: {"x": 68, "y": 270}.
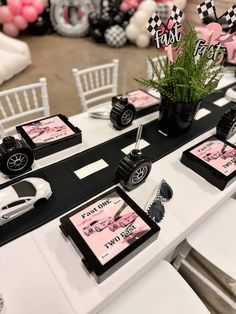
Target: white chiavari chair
{"x": 22, "y": 104}
{"x": 157, "y": 60}
{"x": 96, "y": 85}
{"x": 160, "y": 60}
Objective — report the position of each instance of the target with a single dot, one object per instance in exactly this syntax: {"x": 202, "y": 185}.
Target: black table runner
{"x": 69, "y": 191}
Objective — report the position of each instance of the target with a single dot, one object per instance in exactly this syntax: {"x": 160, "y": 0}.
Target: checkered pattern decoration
{"x": 154, "y": 23}
{"x": 206, "y": 8}
{"x": 176, "y": 15}
{"x": 115, "y": 36}
{"x": 230, "y": 16}
{"x": 162, "y": 11}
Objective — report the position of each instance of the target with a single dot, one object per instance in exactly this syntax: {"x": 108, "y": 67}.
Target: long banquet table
{"x": 41, "y": 272}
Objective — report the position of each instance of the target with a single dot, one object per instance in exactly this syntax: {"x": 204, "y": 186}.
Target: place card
{"x": 91, "y": 168}
{"x": 202, "y": 113}
{"x": 221, "y": 102}
{"x": 128, "y": 149}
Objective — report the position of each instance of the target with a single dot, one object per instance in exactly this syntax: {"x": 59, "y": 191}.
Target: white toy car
{"x": 21, "y": 197}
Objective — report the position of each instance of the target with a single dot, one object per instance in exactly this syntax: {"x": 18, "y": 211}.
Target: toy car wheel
{"x": 122, "y": 115}
{"x": 226, "y": 127}
{"x": 15, "y": 157}
{"x": 127, "y": 116}
{"x": 97, "y": 229}
{"x": 113, "y": 228}
{"x": 40, "y": 202}
{"x": 139, "y": 174}
{"x": 77, "y": 25}
{"x": 17, "y": 162}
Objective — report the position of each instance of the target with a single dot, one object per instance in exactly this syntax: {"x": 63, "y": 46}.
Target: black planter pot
{"x": 176, "y": 117}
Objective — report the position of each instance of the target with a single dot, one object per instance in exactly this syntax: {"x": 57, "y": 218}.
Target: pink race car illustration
{"x": 211, "y": 156}
{"x": 122, "y": 221}
{"x": 97, "y": 225}
{"x": 224, "y": 155}
{"x": 228, "y": 154}
{"x": 38, "y": 129}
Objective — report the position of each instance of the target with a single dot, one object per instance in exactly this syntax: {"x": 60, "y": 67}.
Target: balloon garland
{"x": 42, "y": 25}
{"x": 109, "y": 24}
{"x": 17, "y": 14}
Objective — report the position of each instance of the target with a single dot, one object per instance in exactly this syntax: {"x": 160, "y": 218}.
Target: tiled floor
{"x": 54, "y": 57}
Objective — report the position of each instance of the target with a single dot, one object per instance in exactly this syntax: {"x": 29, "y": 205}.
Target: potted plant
{"x": 183, "y": 83}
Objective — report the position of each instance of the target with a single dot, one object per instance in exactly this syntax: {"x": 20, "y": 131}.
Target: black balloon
{"x": 39, "y": 27}
{"x": 93, "y": 19}
{"x": 119, "y": 18}
{"x": 129, "y": 14}
{"x": 108, "y": 17}
{"x": 42, "y": 25}
{"x": 97, "y": 35}
{"x": 104, "y": 22}
{"x": 125, "y": 24}
{"x": 113, "y": 12}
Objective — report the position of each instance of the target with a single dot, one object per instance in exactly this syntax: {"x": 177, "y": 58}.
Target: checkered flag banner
{"x": 162, "y": 11}
{"x": 176, "y": 14}
{"x": 230, "y": 16}
{"x": 153, "y": 24}
{"x": 206, "y": 8}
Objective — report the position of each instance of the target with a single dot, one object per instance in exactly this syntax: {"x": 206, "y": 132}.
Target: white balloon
{"x": 131, "y": 20}
{"x": 140, "y": 18}
{"x": 181, "y": 4}
{"x": 142, "y": 41}
{"x": 144, "y": 31}
{"x": 170, "y": 4}
{"x": 132, "y": 32}
{"x": 148, "y": 6}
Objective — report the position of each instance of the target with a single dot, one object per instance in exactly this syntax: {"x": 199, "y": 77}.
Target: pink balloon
{"x": 26, "y": 2}
{"x": 20, "y": 22}
{"x": 5, "y": 15}
{"x": 10, "y": 29}
{"x": 39, "y": 5}
{"x": 15, "y": 6}
{"x": 29, "y": 13}
{"x": 124, "y": 7}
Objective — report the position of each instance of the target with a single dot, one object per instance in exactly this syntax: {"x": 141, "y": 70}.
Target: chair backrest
{"x": 157, "y": 60}
{"x": 96, "y": 84}
{"x": 22, "y": 102}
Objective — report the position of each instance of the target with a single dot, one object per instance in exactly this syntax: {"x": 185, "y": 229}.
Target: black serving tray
{"x": 108, "y": 231}
{"x": 216, "y": 165}
{"x": 49, "y": 135}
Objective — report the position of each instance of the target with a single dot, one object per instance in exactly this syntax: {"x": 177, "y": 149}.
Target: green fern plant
{"x": 187, "y": 79}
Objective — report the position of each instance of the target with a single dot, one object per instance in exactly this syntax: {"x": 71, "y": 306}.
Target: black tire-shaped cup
{"x": 122, "y": 113}
{"x": 226, "y": 126}
{"x": 133, "y": 170}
